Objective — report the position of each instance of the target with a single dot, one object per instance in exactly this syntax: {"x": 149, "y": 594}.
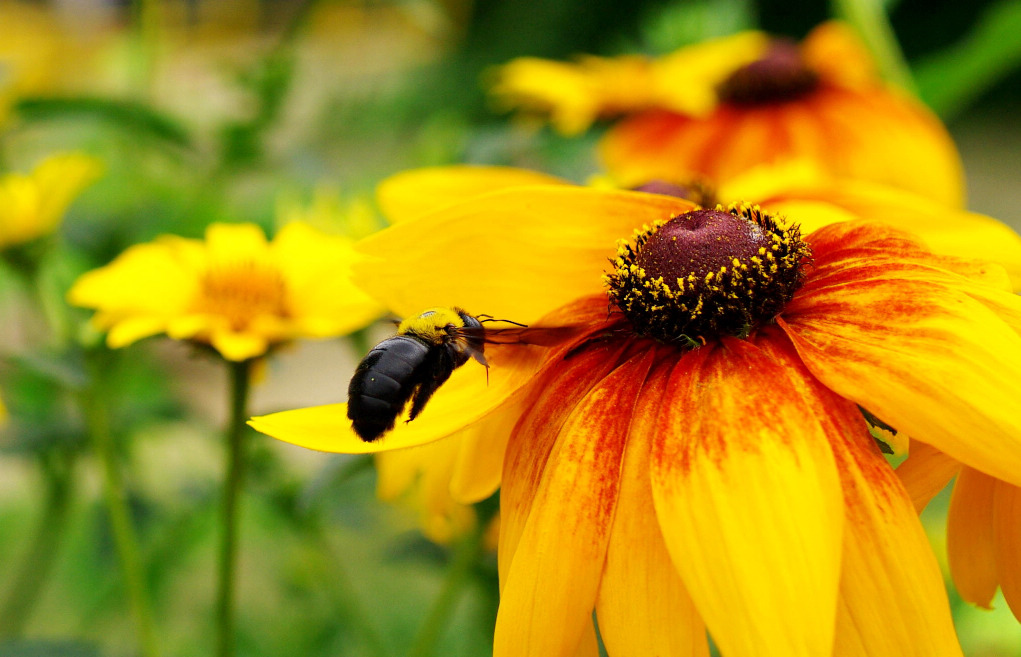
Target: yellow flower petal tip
{"x": 33, "y": 205}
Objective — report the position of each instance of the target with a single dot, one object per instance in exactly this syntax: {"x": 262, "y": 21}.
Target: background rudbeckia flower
{"x": 983, "y": 524}
{"x": 796, "y": 188}
{"x": 234, "y": 291}
{"x": 734, "y": 484}
{"x": 32, "y": 205}
{"x": 720, "y": 108}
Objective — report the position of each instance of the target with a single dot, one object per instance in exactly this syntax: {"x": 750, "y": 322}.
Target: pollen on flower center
{"x": 707, "y": 273}
{"x": 779, "y": 75}
{"x": 241, "y": 291}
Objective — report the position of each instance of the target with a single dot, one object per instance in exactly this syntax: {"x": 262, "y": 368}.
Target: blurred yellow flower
{"x": 33, "y": 205}
{"x": 31, "y": 51}
{"x": 720, "y": 108}
{"x": 234, "y": 291}
{"x": 700, "y": 461}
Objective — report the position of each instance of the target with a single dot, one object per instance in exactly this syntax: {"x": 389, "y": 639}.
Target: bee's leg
{"x": 439, "y": 366}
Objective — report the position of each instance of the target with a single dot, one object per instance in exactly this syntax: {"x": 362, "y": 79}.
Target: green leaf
{"x": 127, "y": 115}
{"x": 953, "y": 79}
{"x": 48, "y": 648}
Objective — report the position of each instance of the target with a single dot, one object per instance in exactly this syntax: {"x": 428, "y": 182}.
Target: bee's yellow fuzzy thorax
{"x": 430, "y": 325}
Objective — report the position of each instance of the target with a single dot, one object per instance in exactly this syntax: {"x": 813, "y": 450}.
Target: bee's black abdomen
{"x": 383, "y": 383}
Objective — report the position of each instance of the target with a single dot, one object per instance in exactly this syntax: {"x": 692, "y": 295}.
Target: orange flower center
{"x": 241, "y": 291}
{"x": 707, "y": 273}
{"x": 778, "y": 76}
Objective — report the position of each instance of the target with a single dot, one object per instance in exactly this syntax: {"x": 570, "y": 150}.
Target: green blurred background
{"x": 228, "y": 110}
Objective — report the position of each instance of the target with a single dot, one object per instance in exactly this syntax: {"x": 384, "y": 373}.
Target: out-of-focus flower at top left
{"x": 33, "y": 205}
{"x": 235, "y": 290}
{"x": 32, "y": 47}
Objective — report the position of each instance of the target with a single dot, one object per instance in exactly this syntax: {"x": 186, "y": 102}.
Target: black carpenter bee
{"x": 411, "y": 366}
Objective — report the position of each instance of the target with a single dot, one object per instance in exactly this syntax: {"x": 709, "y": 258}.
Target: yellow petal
{"x": 146, "y": 279}
{"x": 317, "y": 269}
{"x": 422, "y": 191}
{"x": 551, "y": 586}
{"x": 130, "y": 330}
{"x": 925, "y": 472}
{"x": 231, "y": 242}
{"x": 643, "y": 607}
{"x": 534, "y": 249}
{"x": 743, "y": 478}
{"x": 1007, "y": 528}
{"x": 892, "y": 597}
{"x": 588, "y": 645}
{"x": 238, "y": 346}
{"x": 925, "y": 357}
{"x": 479, "y": 464}
{"x": 970, "y": 542}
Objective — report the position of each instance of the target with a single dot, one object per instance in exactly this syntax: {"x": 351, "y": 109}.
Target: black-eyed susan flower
{"x": 33, "y": 205}
{"x": 696, "y": 457}
{"x": 235, "y": 290}
{"x": 720, "y": 108}
{"x": 983, "y": 524}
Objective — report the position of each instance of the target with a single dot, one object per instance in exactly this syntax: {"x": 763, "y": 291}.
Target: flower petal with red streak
{"x": 643, "y": 607}
{"x": 551, "y": 586}
{"x": 550, "y": 404}
{"x": 743, "y": 478}
{"x": 901, "y": 346}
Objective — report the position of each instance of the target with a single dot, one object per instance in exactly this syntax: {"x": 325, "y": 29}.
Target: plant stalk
{"x": 233, "y": 478}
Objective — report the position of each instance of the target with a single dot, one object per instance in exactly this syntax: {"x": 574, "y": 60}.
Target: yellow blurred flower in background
{"x": 33, "y": 205}
{"x": 720, "y": 108}
{"x": 235, "y": 290}
{"x": 31, "y": 52}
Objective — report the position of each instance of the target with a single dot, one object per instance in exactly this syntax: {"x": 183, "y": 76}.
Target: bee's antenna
{"x": 489, "y": 318}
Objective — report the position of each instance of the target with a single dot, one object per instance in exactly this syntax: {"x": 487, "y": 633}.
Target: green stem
{"x": 235, "y": 462}
{"x": 97, "y": 418}
{"x": 466, "y": 558}
{"x": 871, "y": 21}
{"x": 42, "y": 550}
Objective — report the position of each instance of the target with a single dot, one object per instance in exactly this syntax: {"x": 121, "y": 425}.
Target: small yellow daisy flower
{"x": 234, "y": 291}
{"x": 720, "y": 108}
{"x": 33, "y": 205}
{"x": 694, "y": 457}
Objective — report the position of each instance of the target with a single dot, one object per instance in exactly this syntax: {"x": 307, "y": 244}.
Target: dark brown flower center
{"x": 778, "y": 76}
{"x": 695, "y": 191}
{"x": 708, "y": 273}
